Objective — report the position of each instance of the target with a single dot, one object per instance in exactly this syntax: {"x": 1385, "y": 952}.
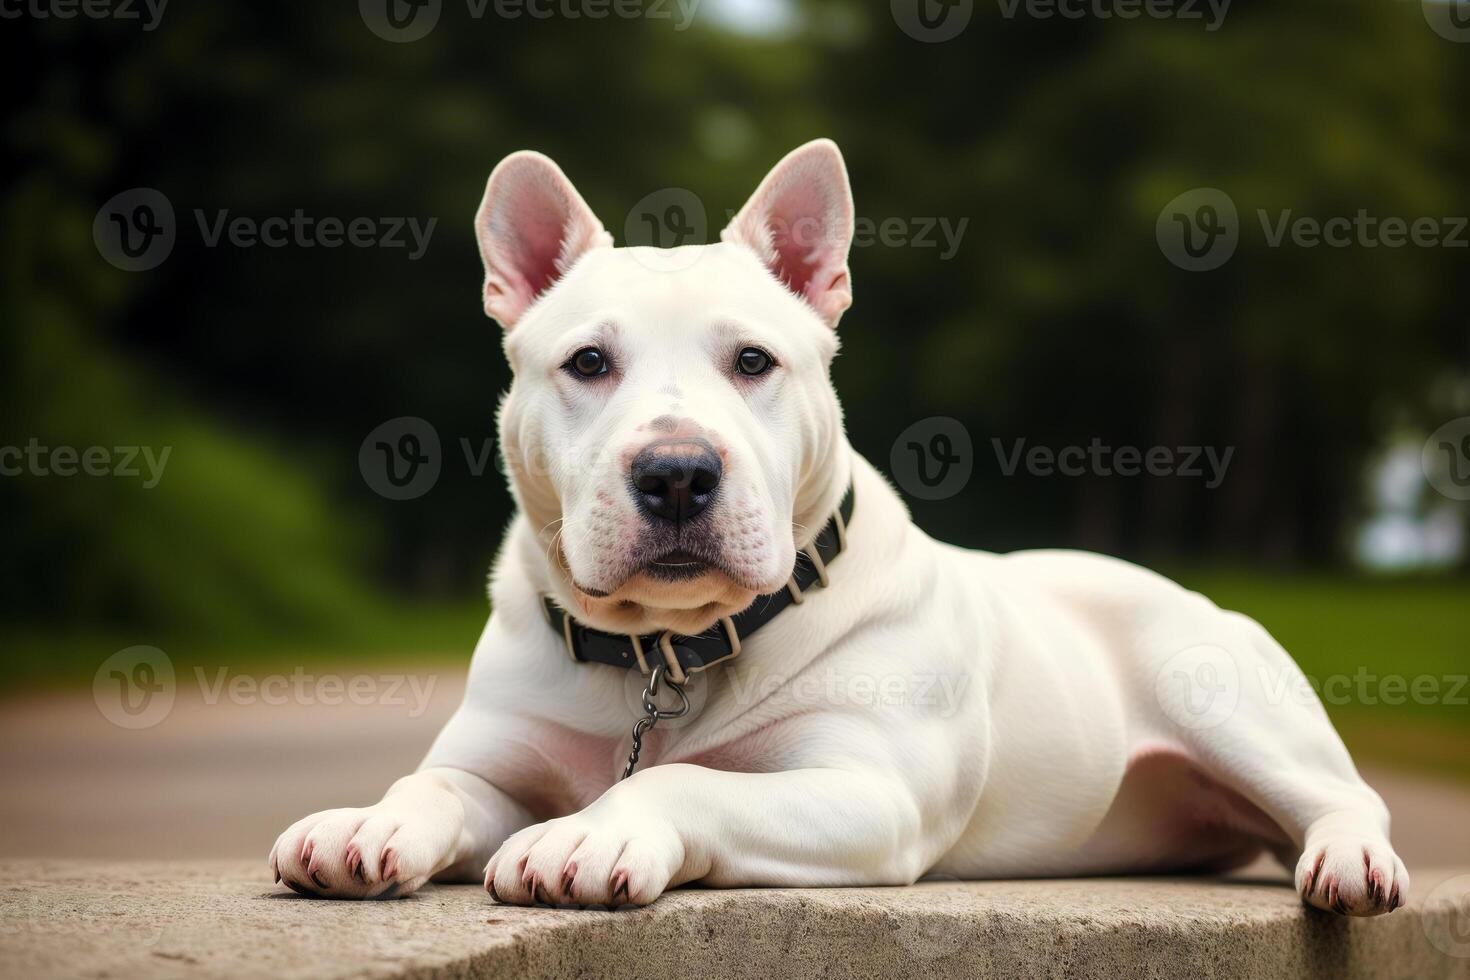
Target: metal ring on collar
{"x": 651, "y": 691}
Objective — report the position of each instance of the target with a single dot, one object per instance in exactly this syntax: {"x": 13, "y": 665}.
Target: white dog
{"x": 884, "y": 705}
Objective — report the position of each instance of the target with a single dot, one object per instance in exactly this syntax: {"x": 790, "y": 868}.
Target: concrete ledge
{"x": 224, "y": 919}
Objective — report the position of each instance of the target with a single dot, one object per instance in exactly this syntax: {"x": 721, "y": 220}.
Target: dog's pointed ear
{"x": 800, "y": 222}
{"x": 532, "y": 227}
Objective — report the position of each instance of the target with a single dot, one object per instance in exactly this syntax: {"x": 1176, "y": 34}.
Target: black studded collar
{"x": 685, "y": 655}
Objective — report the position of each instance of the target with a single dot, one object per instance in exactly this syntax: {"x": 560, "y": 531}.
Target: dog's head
{"x": 671, "y": 431}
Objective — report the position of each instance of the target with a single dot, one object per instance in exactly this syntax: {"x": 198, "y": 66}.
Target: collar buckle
{"x": 671, "y": 659}
{"x": 637, "y": 642}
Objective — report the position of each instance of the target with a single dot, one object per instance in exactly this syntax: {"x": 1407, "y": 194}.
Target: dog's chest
{"x": 556, "y": 769}
{"x": 561, "y": 770}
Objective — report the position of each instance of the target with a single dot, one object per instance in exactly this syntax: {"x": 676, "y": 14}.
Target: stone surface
{"x": 220, "y": 777}
{"x": 73, "y": 919}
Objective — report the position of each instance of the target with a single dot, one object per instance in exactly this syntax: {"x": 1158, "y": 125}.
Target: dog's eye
{"x": 753, "y": 361}
{"x": 588, "y": 362}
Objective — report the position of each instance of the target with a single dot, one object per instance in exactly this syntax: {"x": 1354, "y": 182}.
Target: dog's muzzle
{"x": 684, "y": 655}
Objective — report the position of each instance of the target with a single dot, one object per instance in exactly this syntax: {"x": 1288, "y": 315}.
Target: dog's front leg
{"x": 676, "y": 823}
{"x": 438, "y": 823}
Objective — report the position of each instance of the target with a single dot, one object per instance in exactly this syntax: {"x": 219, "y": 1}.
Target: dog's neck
{"x": 818, "y": 495}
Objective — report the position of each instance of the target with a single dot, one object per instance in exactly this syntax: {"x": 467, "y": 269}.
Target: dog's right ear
{"x": 532, "y": 227}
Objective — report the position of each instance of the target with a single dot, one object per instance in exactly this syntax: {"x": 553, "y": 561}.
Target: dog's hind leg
{"x": 1224, "y": 690}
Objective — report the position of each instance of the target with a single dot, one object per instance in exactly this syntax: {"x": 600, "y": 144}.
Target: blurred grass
{"x": 422, "y": 634}
{"x": 1333, "y": 625}
{"x": 1337, "y": 625}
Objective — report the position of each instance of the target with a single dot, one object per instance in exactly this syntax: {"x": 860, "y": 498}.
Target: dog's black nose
{"x": 676, "y": 481}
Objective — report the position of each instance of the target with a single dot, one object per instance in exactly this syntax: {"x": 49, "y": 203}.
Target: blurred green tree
{"x": 1058, "y": 319}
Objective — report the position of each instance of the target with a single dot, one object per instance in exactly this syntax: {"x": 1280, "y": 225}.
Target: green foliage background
{"x": 1057, "y": 321}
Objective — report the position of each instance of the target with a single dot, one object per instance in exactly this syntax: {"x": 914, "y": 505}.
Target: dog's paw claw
{"x": 373, "y": 852}
{"x": 569, "y": 882}
{"x": 584, "y": 860}
{"x": 620, "y": 888}
{"x": 1350, "y": 877}
{"x": 354, "y": 863}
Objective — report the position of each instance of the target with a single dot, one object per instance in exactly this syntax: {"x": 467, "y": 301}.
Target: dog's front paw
{"x": 383, "y": 851}
{"x": 1352, "y": 876}
{"x": 588, "y": 858}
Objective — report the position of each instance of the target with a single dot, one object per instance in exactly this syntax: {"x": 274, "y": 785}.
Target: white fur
{"x": 933, "y": 710}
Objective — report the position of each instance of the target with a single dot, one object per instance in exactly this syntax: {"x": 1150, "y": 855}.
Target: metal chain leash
{"x": 653, "y": 714}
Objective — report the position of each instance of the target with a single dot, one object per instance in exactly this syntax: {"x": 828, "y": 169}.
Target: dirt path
{"x": 221, "y": 779}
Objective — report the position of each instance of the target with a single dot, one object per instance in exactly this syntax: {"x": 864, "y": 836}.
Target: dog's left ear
{"x": 532, "y": 227}
{"x": 800, "y": 222}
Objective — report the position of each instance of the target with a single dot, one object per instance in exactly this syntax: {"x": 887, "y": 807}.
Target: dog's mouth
{"x": 680, "y": 585}
{"x": 676, "y": 566}
{"x": 679, "y": 568}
